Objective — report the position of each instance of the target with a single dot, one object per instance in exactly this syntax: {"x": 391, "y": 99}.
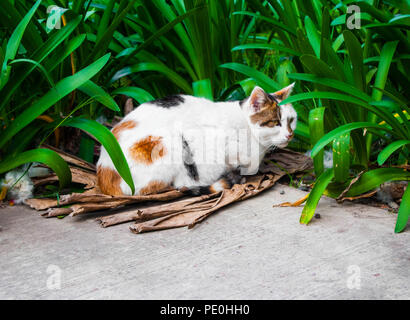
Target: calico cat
{"x": 192, "y": 143}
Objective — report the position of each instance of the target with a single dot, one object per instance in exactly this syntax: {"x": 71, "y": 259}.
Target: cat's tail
{"x": 225, "y": 182}
{"x": 214, "y": 188}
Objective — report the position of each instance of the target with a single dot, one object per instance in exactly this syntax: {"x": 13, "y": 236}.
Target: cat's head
{"x": 274, "y": 125}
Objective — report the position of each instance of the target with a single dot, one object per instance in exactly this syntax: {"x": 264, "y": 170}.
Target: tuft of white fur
{"x": 22, "y": 190}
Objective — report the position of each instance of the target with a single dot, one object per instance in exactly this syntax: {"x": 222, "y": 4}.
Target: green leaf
{"x": 315, "y": 195}
{"x": 386, "y": 56}
{"x": 14, "y": 43}
{"x": 39, "y": 55}
{"x": 153, "y": 66}
{"x": 404, "y": 212}
{"x": 63, "y": 88}
{"x": 356, "y": 57}
{"x": 374, "y": 178}
{"x": 269, "y": 20}
{"x": 341, "y": 157}
{"x": 63, "y": 52}
{"x": 312, "y": 35}
{"x": 45, "y": 156}
{"x": 203, "y": 88}
{"x": 317, "y": 131}
{"x": 379, "y": 111}
{"x": 267, "y": 46}
{"x": 138, "y": 94}
{"x": 332, "y": 83}
{"x": 262, "y": 79}
{"x": 98, "y": 93}
{"x": 390, "y": 149}
{"x": 107, "y": 139}
{"x": 342, "y": 130}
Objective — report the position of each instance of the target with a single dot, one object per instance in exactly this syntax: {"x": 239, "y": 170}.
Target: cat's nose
{"x": 289, "y": 136}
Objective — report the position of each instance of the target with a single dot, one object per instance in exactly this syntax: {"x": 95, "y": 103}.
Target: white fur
{"x": 213, "y": 131}
{"x": 22, "y": 190}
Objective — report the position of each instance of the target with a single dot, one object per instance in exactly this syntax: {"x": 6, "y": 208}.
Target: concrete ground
{"x": 247, "y": 251}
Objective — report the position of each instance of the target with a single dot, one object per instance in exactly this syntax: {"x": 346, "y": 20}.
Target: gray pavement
{"x": 246, "y": 251}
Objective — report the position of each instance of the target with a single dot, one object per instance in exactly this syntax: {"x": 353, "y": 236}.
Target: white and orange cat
{"x": 195, "y": 144}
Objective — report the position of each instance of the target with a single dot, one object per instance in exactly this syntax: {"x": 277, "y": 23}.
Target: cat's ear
{"x": 284, "y": 93}
{"x": 258, "y": 99}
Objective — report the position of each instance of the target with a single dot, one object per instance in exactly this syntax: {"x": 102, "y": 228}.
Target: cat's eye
{"x": 291, "y": 120}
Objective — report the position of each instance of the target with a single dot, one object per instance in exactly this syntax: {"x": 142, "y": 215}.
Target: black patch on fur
{"x": 168, "y": 102}
{"x": 197, "y": 191}
{"x": 232, "y": 177}
{"x": 188, "y": 159}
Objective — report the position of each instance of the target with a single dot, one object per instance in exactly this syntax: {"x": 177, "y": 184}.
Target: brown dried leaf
{"x": 69, "y": 158}
{"x": 186, "y": 212}
{"x": 79, "y": 175}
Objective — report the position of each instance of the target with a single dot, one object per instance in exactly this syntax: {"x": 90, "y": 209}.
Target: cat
{"x": 192, "y": 143}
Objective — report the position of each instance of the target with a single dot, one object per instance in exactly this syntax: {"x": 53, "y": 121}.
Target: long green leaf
{"x": 330, "y": 136}
{"x": 152, "y": 66}
{"x": 312, "y": 35}
{"x": 45, "y": 156}
{"x": 107, "y": 139}
{"x": 404, "y": 212}
{"x": 14, "y": 43}
{"x": 374, "y": 178}
{"x": 63, "y": 88}
{"x": 317, "y": 130}
{"x": 262, "y": 79}
{"x": 332, "y": 83}
{"x": 267, "y": 46}
{"x": 341, "y": 157}
{"x": 381, "y": 77}
{"x": 96, "y": 92}
{"x": 390, "y": 149}
{"x": 315, "y": 195}
{"x": 138, "y": 94}
{"x": 203, "y": 88}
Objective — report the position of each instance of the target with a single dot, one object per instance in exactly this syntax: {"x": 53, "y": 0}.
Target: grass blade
{"x": 203, "y": 88}
{"x": 404, "y": 212}
{"x": 390, "y": 149}
{"x": 98, "y": 93}
{"x": 107, "y": 139}
{"x": 138, "y": 94}
{"x": 341, "y": 157}
{"x": 14, "y": 43}
{"x": 315, "y": 195}
{"x": 374, "y": 178}
{"x": 330, "y": 136}
{"x": 262, "y": 79}
{"x": 63, "y": 88}
{"x": 317, "y": 131}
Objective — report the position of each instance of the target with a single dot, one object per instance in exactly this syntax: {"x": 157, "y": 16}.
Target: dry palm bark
{"x": 182, "y": 212}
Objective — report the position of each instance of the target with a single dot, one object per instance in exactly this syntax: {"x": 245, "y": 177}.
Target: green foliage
{"x": 351, "y": 84}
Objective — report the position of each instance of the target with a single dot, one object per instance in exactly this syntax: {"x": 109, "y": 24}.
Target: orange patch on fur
{"x": 154, "y": 187}
{"x": 109, "y": 181}
{"x": 126, "y": 125}
{"x": 148, "y": 150}
{"x": 220, "y": 183}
